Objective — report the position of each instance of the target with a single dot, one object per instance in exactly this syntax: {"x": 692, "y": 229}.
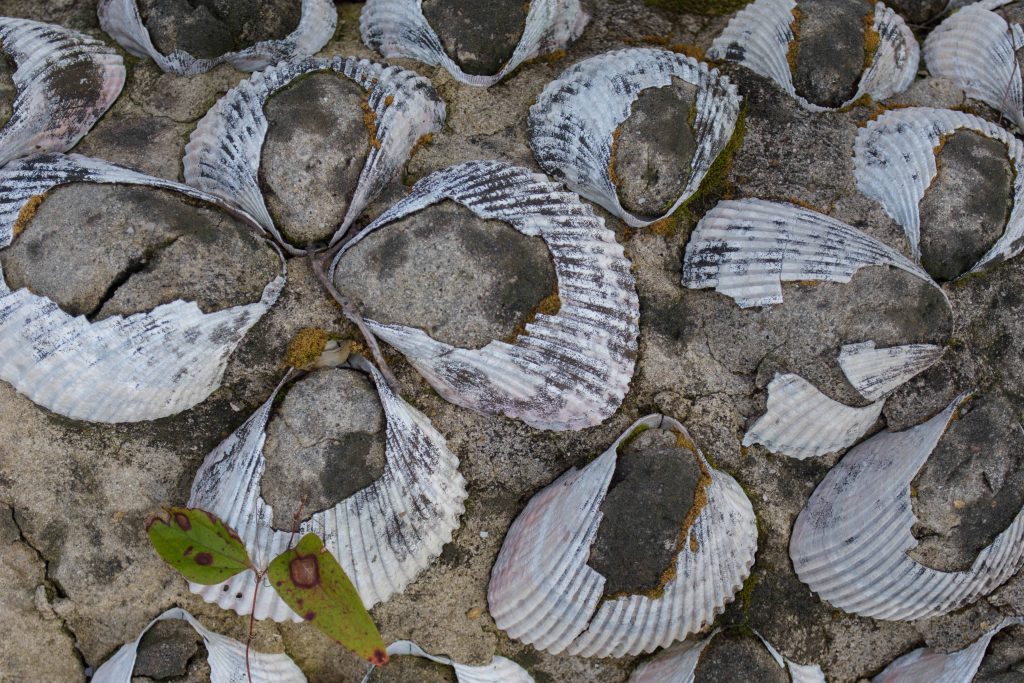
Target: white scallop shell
{"x": 122, "y": 21}
{"x": 543, "y": 593}
{"x": 758, "y": 37}
{"x": 226, "y": 657}
{"x": 44, "y": 119}
{"x": 383, "y": 535}
{"x": 877, "y": 372}
{"x": 925, "y": 665}
{"x": 850, "y": 542}
{"x": 975, "y": 48}
{"x": 397, "y": 28}
{"x": 223, "y": 154}
{"x": 574, "y": 120}
{"x": 747, "y": 248}
{"x": 894, "y": 163}
{"x": 570, "y": 370}
{"x": 123, "y": 368}
{"x": 802, "y": 422}
{"x": 500, "y": 670}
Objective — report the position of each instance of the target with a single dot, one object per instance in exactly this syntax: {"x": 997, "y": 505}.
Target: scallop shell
{"x": 226, "y": 656}
{"x": 877, "y": 372}
{"x": 850, "y": 542}
{"x": 758, "y": 37}
{"x": 570, "y": 370}
{"x": 975, "y": 48}
{"x": 223, "y": 154}
{"x": 45, "y": 118}
{"x": 925, "y": 665}
{"x": 383, "y": 535}
{"x": 397, "y": 28}
{"x": 574, "y": 120}
{"x": 894, "y": 163}
{"x": 747, "y": 248}
{"x": 122, "y": 21}
{"x": 123, "y": 368}
{"x": 802, "y": 422}
{"x": 500, "y": 670}
{"x": 543, "y": 593}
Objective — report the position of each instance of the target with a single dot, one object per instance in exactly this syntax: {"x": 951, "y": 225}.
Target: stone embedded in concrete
{"x": 166, "y": 649}
{"x": 7, "y": 90}
{"x": 830, "y": 49}
{"x": 479, "y": 36}
{"x": 316, "y": 144}
{"x": 734, "y": 657}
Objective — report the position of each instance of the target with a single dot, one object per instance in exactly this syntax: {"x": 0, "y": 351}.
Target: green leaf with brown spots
{"x": 198, "y": 544}
{"x": 311, "y": 581}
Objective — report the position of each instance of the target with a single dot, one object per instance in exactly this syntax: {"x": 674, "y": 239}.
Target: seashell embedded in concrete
{"x": 543, "y": 593}
{"x": 747, "y": 248}
{"x": 226, "y": 657}
{"x": 120, "y": 369}
{"x": 65, "y": 80}
{"x": 894, "y": 163}
{"x": 976, "y": 49}
{"x": 500, "y": 670}
{"x": 850, "y": 542}
{"x": 223, "y": 154}
{"x": 926, "y": 665}
{"x": 758, "y": 37}
{"x": 397, "y": 28}
{"x": 122, "y": 21}
{"x": 574, "y": 120}
{"x": 570, "y": 370}
{"x": 383, "y": 535}
{"x": 877, "y": 372}
{"x": 802, "y": 422}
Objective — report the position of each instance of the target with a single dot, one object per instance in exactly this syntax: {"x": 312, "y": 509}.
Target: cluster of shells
{"x": 570, "y": 369}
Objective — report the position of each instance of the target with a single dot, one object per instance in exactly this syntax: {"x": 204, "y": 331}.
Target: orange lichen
{"x": 370, "y": 121}
{"x": 306, "y": 347}
{"x": 688, "y": 50}
{"x": 871, "y": 39}
{"x": 611, "y": 161}
{"x": 389, "y": 100}
{"x": 27, "y": 212}
{"x": 791, "y": 53}
{"x": 549, "y": 305}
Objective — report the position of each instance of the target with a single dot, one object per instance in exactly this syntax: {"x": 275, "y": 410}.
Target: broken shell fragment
{"x": 925, "y": 665}
{"x": 759, "y": 38}
{"x": 976, "y": 49}
{"x": 573, "y": 123}
{"x": 229, "y": 659}
{"x": 542, "y": 591}
{"x": 877, "y": 372}
{"x": 123, "y": 368}
{"x": 802, "y": 422}
{"x": 397, "y": 28}
{"x": 850, "y": 542}
{"x": 123, "y": 22}
{"x": 65, "y": 82}
{"x": 383, "y": 535}
{"x": 747, "y": 248}
{"x": 500, "y": 670}
{"x": 894, "y": 163}
{"x": 569, "y": 370}
{"x": 223, "y": 154}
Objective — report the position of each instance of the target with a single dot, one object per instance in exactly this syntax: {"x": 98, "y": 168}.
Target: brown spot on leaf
{"x": 204, "y": 559}
{"x": 305, "y": 571}
{"x": 161, "y": 517}
{"x": 309, "y": 616}
{"x": 181, "y": 520}
{"x": 379, "y": 658}
{"x": 188, "y": 551}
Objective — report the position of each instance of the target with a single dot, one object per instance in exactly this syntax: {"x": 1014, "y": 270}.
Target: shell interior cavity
{"x": 747, "y": 248}
{"x": 877, "y": 372}
{"x": 123, "y": 368}
{"x": 850, "y": 542}
{"x": 678, "y": 664}
{"x": 500, "y": 670}
{"x": 574, "y": 120}
{"x": 926, "y": 664}
{"x": 894, "y": 163}
{"x": 226, "y": 657}
{"x": 49, "y": 113}
{"x": 542, "y": 591}
{"x": 383, "y": 535}
{"x": 397, "y": 28}
{"x": 976, "y": 49}
{"x": 802, "y": 422}
{"x": 122, "y": 21}
{"x": 758, "y": 37}
{"x": 570, "y": 370}
{"x": 223, "y": 154}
